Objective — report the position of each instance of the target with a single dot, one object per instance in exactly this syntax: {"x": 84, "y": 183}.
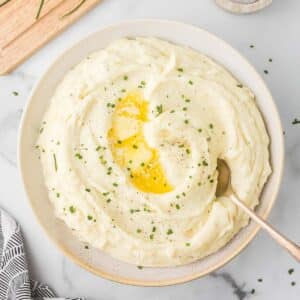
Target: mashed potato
{"x": 129, "y": 149}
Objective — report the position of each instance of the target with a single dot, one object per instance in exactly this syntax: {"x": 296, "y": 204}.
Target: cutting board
{"x": 26, "y": 25}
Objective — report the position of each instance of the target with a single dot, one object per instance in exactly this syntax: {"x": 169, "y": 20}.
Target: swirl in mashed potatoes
{"x": 129, "y": 149}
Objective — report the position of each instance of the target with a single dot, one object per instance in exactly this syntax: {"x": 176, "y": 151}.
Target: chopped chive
{"x": 151, "y": 236}
{"x": 72, "y": 209}
{"x": 191, "y": 82}
{"x": 40, "y": 9}
{"x": 177, "y": 206}
{"x": 78, "y": 155}
{"x": 170, "y": 231}
{"x": 15, "y": 93}
{"x": 187, "y": 244}
{"x": 153, "y": 229}
{"x": 159, "y": 110}
{"x": 140, "y": 267}
{"x": 266, "y": 71}
{"x": 86, "y": 247}
{"x": 89, "y": 217}
{"x": 55, "y": 162}
{"x": 125, "y": 77}
{"x": 115, "y": 184}
{"x": 74, "y": 9}
{"x": 87, "y": 190}
{"x": 291, "y": 271}
{"x": 239, "y": 85}
{"x": 3, "y": 3}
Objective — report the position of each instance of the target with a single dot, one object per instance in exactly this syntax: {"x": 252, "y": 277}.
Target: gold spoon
{"x": 224, "y": 188}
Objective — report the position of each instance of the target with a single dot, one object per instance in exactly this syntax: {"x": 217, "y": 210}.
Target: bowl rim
{"x": 123, "y": 279}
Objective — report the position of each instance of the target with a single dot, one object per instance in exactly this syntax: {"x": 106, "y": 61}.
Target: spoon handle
{"x": 290, "y": 246}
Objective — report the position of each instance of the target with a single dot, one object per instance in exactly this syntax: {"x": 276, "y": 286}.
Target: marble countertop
{"x": 275, "y": 33}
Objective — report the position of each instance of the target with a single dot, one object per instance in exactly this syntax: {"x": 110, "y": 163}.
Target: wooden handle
{"x": 290, "y": 246}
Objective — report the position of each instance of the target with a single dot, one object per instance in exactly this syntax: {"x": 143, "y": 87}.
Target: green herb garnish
{"x": 139, "y": 230}
{"x": 177, "y": 206}
{"x": 170, "y": 231}
{"x": 115, "y": 184}
{"x": 151, "y": 236}
{"x": 191, "y": 82}
{"x": 291, "y": 271}
{"x": 239, "y": 86}
{"x": 266, "y": 71}
{"x": 78, "y": 155}
{"x": 89, "y": 217}
{"x": 180, "y": 69}
{"x": 296, "y": 121}
{"x": 74, "y": 9}
{"x": 159, "y": 109}
{"x": 140, "y": 267}
{"x": 15, "y": 93}
{"x": 40, "y": 9}
{"x": 87, "y": 190}
{"x": 187, "y": 244}
{"x": 293, "y": 283}
{"x": 125, "y": 77}
{"x": 55, "y": 162}
{"x": 72, "y": 209}
{"x": 3, "y": 3}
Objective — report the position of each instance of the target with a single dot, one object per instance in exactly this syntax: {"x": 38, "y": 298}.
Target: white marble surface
{"x": 275, "y": 33}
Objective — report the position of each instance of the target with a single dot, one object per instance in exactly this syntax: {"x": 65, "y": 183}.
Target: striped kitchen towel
{"x": 15, "y": 282}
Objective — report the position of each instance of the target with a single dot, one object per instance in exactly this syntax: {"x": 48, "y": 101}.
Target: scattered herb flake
{"x": 78, "y": 155}
{"x": 15, "y": 93}
{"x": 40, "y": 9}
{"x": 296, "y": 121}
{"x": 191, "y": 82}
{"x": 125, "y": 77}
{"x": 293, "y": 283}
{"x": 180, "y": 69}
{"x": 266, "y": 71}
{"x": 170, "y": 231}
{"x": 251, "y": 46}
{"x": 140, "y": 267}
{"x": 177, "y": 206}
{"x": 187, "y": 244}
{"x": 89, "y": 217}
{"x": 87, "y": 190}
{"x": 3, "y": 3}
{"x": 239, "y": 85}
{"x": 74, "y": 9}
{"x": 86, "y": 247}
{"x": 55, "y": 162}
{"x": 252, "y": 291}
{"x": 260, "y": 280}
{"x": 115, "y": 184}
{"x": 291, "y": 271}
{"x": 139, "y": 230}
{"x": 159, "y": 109}
{"x": 72, "y": 209}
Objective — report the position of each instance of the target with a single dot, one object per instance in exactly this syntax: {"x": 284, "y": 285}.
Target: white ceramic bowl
{"x": 31, "y": 172}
